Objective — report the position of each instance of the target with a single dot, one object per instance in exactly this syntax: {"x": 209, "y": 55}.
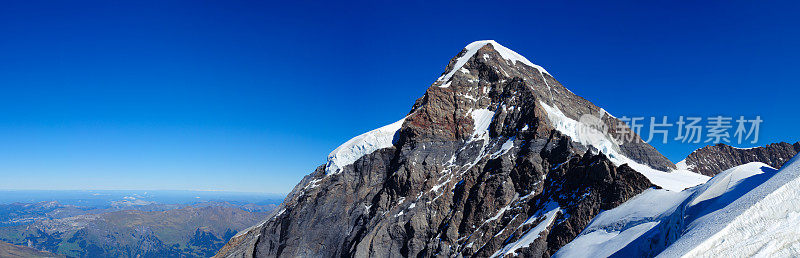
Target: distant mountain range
{"x": 714, "y": 159}
{"x": 125, "y": 198}
{"x": 192, "y": 231}
{"x": 123, "y": 224}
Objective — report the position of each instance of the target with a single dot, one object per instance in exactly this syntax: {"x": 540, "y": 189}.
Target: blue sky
{"x": 251, "y": 96}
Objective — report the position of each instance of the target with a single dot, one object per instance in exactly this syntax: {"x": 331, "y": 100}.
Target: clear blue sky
{"x": 251, "y": 96}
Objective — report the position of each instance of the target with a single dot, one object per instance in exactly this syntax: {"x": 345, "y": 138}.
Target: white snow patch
{"x": 532, "y": 234}
{"x": 530, "y": 194}
{"x": 473, "y": 48}
{"x": 675, "y": 180}
{"x": 361, "y": 145}
{"x": 602, "y": 110}
{"x": 436, "y": 188}
{"x": 512, "y": 56}
{"x": 681, "y": 165}
{"x": 603, "y": 243}
{"x": 504, "y": 148}
{"x": 582, "y": 133}
{"x": 749, "y": 148}
{"x": 481, "y": 118}
{"x": 280, "y": 212}
{"x": 499, "y": 213}
{"x": 470, "y": 97}
{"x": 313, "y": 183}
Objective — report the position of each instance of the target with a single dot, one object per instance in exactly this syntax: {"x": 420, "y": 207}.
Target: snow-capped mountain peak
{"x": 472, "y": 48}
{"x": 486, "y": 162}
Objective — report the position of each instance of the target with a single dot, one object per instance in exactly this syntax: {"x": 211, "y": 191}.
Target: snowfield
{"x": 615, "y": 229}
{"x": 532, "y": 234}
{"x": 762, "y": 222}
{"x": 749, "y": 210}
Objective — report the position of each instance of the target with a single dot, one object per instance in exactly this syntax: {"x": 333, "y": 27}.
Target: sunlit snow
{"x": 361, "y": 145}
{"x": 473, "y": 48}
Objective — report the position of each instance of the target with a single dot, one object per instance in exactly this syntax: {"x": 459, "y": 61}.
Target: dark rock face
{"x": 448, "y": 187}
{"x": 711, "y": 160}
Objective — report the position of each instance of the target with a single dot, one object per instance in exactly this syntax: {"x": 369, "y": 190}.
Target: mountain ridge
{"x": 196, "y": 230}
{"x": 713, "y": 159}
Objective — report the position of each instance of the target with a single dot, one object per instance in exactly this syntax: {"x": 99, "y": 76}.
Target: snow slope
{"x": 675, "y": 180}
{"x": 529, "y": 237}
{"x": 615, "y": 229}
{"x": 481, "y": 119}
{"x": 361, "y": 145}
{"x": 699, "y": 220}
{"x": 763, "y": 222}
{"x": 473, "y": 48}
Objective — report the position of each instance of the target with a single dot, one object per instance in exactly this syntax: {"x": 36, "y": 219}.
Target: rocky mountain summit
{"x": 714, "y": 159}
{"x": 496, "y": 158}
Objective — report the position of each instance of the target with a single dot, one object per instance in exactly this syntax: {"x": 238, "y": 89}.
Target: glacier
{"x": 748, "y": 210}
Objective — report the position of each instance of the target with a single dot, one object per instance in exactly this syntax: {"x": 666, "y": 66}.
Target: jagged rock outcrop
{"x": 491, "y": 160}
{"x": 714, "y": 159}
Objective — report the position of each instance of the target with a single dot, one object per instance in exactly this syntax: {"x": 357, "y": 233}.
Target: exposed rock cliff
{"x": 714, "y": 159}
